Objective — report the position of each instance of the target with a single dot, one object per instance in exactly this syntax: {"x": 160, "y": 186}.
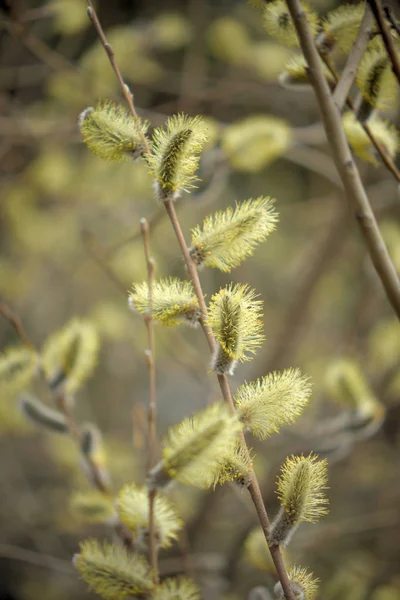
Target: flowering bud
{"x": 229, "y": 236}
{"x": 235, "y": 319}
{"x": 112, "y": 572}
{"x": 173, "y": 301}
{"x": 300, "y": 486}
{"x": 174, "y": 155}
{"x": 111, "y": 132}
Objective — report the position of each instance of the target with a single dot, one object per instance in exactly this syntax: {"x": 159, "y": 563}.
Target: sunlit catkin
{"x": 133, "y": 509}
{"x": 295, "y": 73}
{"x": 375, "y": 78}
{"x": 300, "y": 491}
{"x": 303, "y": 584}
{"x": 272, "y": 401}
{"x": 196, "y": 448}
{"x": 231, "y": 235}
{"x": 235, "y": 319}
{"x": 70, "y": 355}
{"x": 173, "y": 301}
{"x": 111, "y": 132}
{"x": 178, "y": 588}
{"x": 279, "y": 24}
{"x": 112, "y": 572}
{"x": 174, "y": 155}
{"x": 340, "y": 28}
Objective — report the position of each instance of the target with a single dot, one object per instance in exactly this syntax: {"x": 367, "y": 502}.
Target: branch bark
{"x": 347, "y": 169}
{"x": 379, "y": 15}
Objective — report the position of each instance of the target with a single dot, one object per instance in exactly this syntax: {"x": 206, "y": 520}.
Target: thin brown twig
{"x": 344, "y": 162}
{"x": 388, "y": 14}
{"x": 379, "y": 15}
{"x": 152, "y": 410}
{"x": 254, "y": 488}
{"x": 111, "y": 57}
{"x": 15, "y": 321}
{"x": 386, "y": 159}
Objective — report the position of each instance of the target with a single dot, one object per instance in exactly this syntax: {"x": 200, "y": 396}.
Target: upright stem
{"x": 254, "y": 487}
{"x": 152, "y": 411}
{"x": 192, "y": 271}
{"x": 344, "y": 162}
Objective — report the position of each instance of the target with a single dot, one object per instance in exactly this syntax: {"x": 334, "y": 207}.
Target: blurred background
{"x": 70, "y": 246}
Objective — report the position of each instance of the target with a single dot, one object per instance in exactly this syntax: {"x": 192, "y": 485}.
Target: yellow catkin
{"x": 229, "y": 236}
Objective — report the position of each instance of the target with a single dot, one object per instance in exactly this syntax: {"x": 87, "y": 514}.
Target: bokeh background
{"x": 70, "y": 246}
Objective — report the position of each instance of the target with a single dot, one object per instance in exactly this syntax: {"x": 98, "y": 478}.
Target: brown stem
{"x": 386, "y": 159}
{"x": 15, "y": 321}
{"x": 377, "y": 9}
{"x": 344, "y": 162}
{"x": 111, "y": 57}
{"x": 393, "y": 24}
{"x": 192, "y": 271}
{"x": 152, "y": 411}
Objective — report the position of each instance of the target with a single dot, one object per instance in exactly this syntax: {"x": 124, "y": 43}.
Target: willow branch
{"x": 254, "y": 488}
{"x": 386, "y": 159}
{"x": 15, "y": 321}
{"x": 347, "y": 169}
{"x": 379, "y": 15}
{"x": 111, "y": 57}
{"x": 152, "y": 411}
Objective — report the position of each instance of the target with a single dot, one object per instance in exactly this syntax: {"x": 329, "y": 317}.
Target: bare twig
{"x": 15, "y": 321}
{"x": 152, "y": 412}
{"x": 254, "y": 487}
{"x": 111, "y": 57}
{"x": 393, "y": 23}
{"x": 386, "y": 159}
{"x": 344, "y": 162}
{"x": 377, "y": 9}
{"x": 349, "y": 72}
